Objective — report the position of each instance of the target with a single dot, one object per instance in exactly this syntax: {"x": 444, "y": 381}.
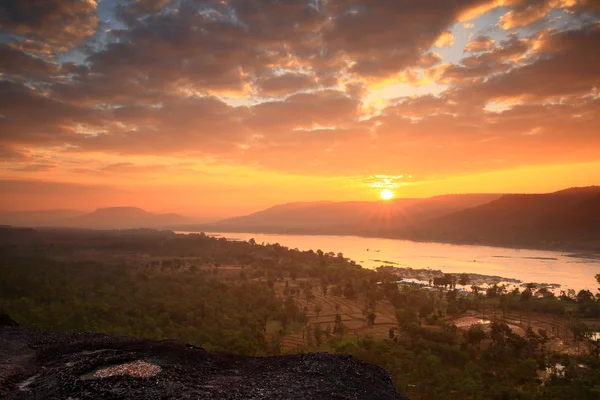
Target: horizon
{"x": 208, "y": 219}
{"x": 219, "y": 109}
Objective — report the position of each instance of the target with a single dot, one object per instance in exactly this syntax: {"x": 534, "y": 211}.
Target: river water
{"x": 539, "y": 266}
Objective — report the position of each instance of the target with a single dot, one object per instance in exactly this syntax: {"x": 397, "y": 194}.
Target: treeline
{"x": 224, "y": 295}
{"x": 160, "y": 285}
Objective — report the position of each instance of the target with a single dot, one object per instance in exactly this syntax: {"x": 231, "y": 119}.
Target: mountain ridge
{"x": 120, "y": 217}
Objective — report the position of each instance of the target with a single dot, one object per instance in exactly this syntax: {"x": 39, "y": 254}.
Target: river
{"x": 539, "y": 266}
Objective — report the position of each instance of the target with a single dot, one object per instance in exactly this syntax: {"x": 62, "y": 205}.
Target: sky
{"x": 223, "y": 107}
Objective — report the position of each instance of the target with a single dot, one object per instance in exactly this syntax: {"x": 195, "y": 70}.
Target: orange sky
{"x": 218, "y": 108}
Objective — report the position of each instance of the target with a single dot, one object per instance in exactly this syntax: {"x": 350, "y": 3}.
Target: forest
{"x": 265, "y": 299}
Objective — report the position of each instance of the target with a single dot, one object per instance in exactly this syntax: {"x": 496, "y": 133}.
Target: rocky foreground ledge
{"x": 42, "y": 365}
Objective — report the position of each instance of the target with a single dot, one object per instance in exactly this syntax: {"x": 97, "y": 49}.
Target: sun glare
{"x": 386, "y": 194}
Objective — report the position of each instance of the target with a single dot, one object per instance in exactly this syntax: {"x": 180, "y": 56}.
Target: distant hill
{"x": 567, "y": 219}
{"x": 570, "y": 216}
{"x": 125, "y": 217}
{"x": 353, "y": 217}
{"x": 103, "y": 218}
{"x": 37, "y": 218}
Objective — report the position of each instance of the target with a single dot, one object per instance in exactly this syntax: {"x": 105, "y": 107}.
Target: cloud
{"x": 567, "y": 66}
{"x": 444, "y": 40}
{"x": 33, "y": 167}
{"x": 284, "y": 84}
{"x": 480, "y": 43}
{"x": 10, "y": 154}
{"x": 44, "y": 188}
{"x": 18, "y": 64}
{"x": 526, "y": 15}
{"x": 383, "y": 38}
{"x": 52, "y": 123}
{"x": 59, "y": 23}
{"x": 496, "y": 60}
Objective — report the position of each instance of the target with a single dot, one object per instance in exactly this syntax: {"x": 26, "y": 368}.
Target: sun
{"x": 386, "y": 194}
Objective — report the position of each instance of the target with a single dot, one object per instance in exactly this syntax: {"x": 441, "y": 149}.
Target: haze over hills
{"x": 351, "y": 217}
{"x": 103, "y": 218}
{"x": 565, "y": 219}
{"x": 38, "y": 217}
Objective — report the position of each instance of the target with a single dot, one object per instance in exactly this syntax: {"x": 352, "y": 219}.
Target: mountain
{"x": 315, "y": 215}
{"x": 570, "y": 216}
{"x": 37, "y": 218}
{"x": 566, "y": 219}
{"x": 103, "y": 218}
{"x": 125, "y": 217}
{"x": 352, "y": 217}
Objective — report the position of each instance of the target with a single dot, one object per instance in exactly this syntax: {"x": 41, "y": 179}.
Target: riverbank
{"x": 589, "y": 249}
{"x": 526, "y": 266}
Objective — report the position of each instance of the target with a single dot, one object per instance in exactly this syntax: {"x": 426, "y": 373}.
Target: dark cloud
{"x": 18, "y": 64}
{"x": 201, "y": 125}
{"x": 284, "y": 84}
{"x": 9, "y": 154}
{"x": 384, "y": 37}
{"x": 476, "y": 67}
{"x": 303, "y": 111}
{"x": 59, "y": 23}
{"x": 155, "y": 84}
{"x": 39, "y": 48}
{"x": 568, "y": 65}
{"x": 29, "y": 116}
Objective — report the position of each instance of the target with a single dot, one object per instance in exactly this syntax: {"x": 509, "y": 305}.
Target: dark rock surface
{"x": 5, "y": 320}
{"x": 42, "y": 365}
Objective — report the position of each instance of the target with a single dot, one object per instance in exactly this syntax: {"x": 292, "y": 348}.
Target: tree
{"x": 544, "y": 293}
{"x": 580, "y": 332}
{"x": 426, "y": 309}
{"x": 318, "y": 308}
{"x": 584, "y": 296}
{"x": 349, "y": 292}
{"x": 338, "y": 326}
{"x": 499, "y": 332}
{"x": 475, "y": 335}
{"x": 327, "y": 331}
{"x": 543, "y": 339}
{"x": 405, "y": 317}
{"x": 371, "y": 317}
{"x": 464, "y": 279}
{"x": 526, "y": 294}
{"x": 308, "y": 291}
{"x": 533, "y": 340}
{"x": 318, "y": 332}
{"x": 309, "y": 335}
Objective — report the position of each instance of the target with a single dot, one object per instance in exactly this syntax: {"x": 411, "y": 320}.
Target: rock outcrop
{"x": 5, "y": 320}
{"x": 36, "y": 364}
